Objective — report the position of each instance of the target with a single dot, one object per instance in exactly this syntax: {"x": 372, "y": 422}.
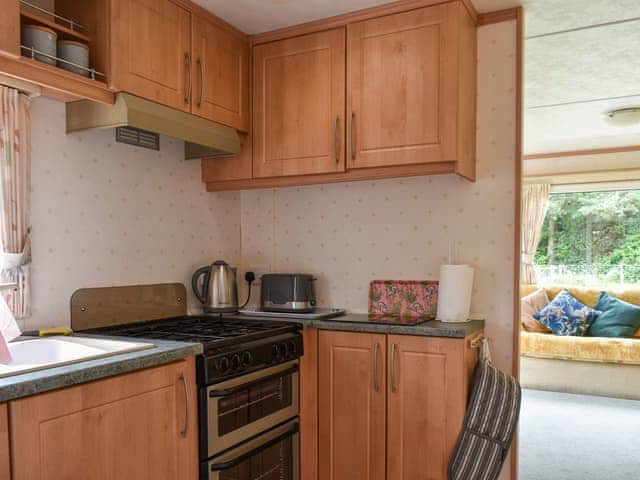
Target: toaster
{"x": 287, "y": 292}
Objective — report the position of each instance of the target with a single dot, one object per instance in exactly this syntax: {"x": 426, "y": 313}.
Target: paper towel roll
{"x": 454, "y": 293}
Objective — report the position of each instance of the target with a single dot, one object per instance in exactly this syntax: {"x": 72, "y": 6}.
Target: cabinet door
{"x": 351, "y": 398}
{"x": 298, "y": 105}
{"x": 151, "y": 51}
{"x": 5, "y": 472}
{"x": 221, "y": 75}
{"x": 402, "y": 88}
{"x": 10, "y": 28}
{"x": 133, "y": 426}
{"x": 426, "y": 405}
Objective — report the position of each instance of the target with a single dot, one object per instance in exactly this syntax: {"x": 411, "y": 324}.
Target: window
{"x": 591, "y": 238}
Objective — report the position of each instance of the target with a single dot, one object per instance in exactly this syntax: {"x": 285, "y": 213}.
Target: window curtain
{"x": 15, "y": 190}
{"x": 535, "y": 201}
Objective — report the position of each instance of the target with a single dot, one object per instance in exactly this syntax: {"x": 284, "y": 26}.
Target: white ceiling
{"x": 582, "y": 58}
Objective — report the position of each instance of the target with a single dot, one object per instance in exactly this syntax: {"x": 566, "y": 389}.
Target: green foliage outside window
{"x": 593, "y": 234}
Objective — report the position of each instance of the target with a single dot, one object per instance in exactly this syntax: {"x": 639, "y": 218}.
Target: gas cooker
{"x": 232, "y": 347}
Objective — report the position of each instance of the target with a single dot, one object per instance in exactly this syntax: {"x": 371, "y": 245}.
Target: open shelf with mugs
{"x": 56, "y": 40}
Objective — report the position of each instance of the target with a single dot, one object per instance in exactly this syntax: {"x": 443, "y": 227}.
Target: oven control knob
{"x": 292, "y": 348}
{"x": 275, "y": 351}
{"x": 247, "y": 359}
{"x": 235, "y": 361}
{"x": 223, "y": 364}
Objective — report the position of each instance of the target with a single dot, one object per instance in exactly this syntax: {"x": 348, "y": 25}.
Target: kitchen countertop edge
{"x": 356, "y": 322}
{"x": 40, "y": 381}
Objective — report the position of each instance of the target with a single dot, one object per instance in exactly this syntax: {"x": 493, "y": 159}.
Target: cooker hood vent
{"x": 203, "y": 138}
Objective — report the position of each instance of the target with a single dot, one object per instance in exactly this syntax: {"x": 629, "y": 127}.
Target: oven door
{"x": 274, "y": 455}
{"x": 243, "y": 407}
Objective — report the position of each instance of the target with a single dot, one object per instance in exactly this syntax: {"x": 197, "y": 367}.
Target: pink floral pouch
{"x": 403, "y": 298}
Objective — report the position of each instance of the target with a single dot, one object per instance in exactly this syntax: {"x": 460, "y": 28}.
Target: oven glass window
{"x": 257, "y": 401}
{"x": 273, "y": 463}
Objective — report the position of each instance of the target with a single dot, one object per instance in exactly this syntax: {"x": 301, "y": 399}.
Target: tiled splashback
{"x": 349, "y": 234}
{"x": 105, "y": 213}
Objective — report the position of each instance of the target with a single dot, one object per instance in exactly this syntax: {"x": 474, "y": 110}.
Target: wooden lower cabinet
{"x": 426, "y": 402}
{"x": 5, "y": 471}
{"x": 351, "y": 403}
{"x": 390, "y": 406}
{"x": 141, "y": 426}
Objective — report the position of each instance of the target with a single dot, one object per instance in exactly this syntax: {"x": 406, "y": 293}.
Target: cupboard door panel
{"x": 5, "y": 472}
{"x": 151, "y": 51}
{"x": 426, "y": 405}
{"x": 130, "y": 426}
{"x": 351, "y": 406}
{"x": 299, "y": 102}
{"x": 220, "y": 75}
{"x": 402, "y": 88}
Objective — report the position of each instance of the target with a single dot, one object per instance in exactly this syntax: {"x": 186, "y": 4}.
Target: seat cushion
{"x": 566, "y": 315}
{"x": 588, "y": 296}
{"x": 585, "y": 349}
{"x": 529, "y": 306}
{"x": 618, "y": 318}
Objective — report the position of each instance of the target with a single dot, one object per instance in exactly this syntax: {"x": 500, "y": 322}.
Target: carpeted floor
{"x": 578, "y": 437}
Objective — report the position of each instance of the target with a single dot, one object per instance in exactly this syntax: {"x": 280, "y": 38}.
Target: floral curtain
{"x": 535, "y": 201}
{"x": 15, "y": 190}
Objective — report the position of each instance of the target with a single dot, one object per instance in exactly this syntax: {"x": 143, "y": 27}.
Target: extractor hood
{"x": 203, "y": 138}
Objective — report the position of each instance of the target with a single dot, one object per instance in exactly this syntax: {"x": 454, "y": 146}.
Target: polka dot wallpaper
{"x": 105, "y": 213}
{"x": 349, "y": 234}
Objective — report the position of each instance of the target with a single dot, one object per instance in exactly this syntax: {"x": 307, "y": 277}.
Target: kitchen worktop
{"x": 358, "y": 322}
{"x": 40, "y": 381}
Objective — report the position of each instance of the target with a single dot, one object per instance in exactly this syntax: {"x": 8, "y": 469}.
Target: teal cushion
{"x": 618, "y": 318}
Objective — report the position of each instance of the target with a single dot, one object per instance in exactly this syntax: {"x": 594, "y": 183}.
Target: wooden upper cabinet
{"x": 10, "y": 28}
{"x": 404, "y": 98}
{"x": 299, "y": 105}
{"x": 220, "y": 74}
{"x": 133, "y": 426}
{"x": 351, "y": 406}
{"x": 151, "y": 51}
{"x": 426, "y": 401}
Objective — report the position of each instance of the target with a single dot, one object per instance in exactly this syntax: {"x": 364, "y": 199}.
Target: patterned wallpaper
{"x": 349, "y": 234}
{"x": 106, "y": 213}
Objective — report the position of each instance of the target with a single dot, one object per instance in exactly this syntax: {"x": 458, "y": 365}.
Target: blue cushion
{"x": 566, "y": 315}
{"x": 618, "y": 318}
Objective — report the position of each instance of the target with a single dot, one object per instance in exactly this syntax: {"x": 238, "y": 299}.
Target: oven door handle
{"x": 226, "y": 392}
{"x": 216, "y": 467}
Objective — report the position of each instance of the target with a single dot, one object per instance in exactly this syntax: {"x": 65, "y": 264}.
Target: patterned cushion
{"x": 566, "y": 315}
{"x": 529, "y": 306}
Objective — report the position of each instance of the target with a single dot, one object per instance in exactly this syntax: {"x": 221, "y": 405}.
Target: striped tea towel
{"x": 489, "y": 425}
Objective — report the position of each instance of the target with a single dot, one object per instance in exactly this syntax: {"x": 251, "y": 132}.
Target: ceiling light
{"x": 623, "y": 117}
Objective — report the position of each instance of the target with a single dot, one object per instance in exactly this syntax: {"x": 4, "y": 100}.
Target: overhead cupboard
{"x": 172, "y": 52}
{"x": 385, "y": 92}
{"x": 387, "y": 96}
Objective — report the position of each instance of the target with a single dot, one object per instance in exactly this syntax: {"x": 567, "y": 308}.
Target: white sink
{"x": 40, "y": 353}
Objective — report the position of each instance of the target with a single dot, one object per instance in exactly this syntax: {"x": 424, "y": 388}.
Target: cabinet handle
{"x": 352, "y": 141}
{"x": 394, "y": 383}
{"x": 187, "y": 95}
{"x": 376, "y": 376}
{"x": 185, "y": 430}
{"x": 201, "y": 68}
{"x": 336, "y": 146}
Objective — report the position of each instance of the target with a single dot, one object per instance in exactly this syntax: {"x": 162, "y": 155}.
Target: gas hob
{"x": 232, "y": 347}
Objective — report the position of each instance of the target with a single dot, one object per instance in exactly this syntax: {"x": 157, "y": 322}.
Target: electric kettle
{"x": 217, "y": 291}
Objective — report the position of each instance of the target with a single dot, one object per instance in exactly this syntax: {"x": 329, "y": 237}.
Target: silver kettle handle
{"x": 200, "y": 292}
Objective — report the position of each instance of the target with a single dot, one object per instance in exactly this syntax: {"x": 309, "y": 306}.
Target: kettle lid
{"x": 219, "y": 263}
